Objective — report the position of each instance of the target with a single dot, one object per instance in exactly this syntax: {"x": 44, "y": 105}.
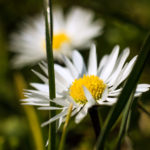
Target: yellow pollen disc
{"x": 93, "y": 83}
{"x": 58, "y": 41}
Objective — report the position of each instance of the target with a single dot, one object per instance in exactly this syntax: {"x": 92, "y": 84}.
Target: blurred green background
{"x": 126, "y": 23}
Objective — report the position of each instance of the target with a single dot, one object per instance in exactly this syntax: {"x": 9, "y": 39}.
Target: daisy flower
{"x": 84, "y": 86}
{"x": 73, "y": 30}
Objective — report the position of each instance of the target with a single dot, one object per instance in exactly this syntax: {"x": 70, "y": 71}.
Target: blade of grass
{"x": 125, "y": 121}
{"x": 49, "y": 51}
{"x": 95, "y": 120}
{"x": 63, "y": 137}
{"x": 125, "y": 94}
{"x": 30, "y": 114}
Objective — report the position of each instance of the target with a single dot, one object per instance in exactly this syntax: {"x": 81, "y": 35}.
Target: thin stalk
{"x": 49, "y": 51}
{"x": 95, "y": 121}
{"x": 63, "y": 137}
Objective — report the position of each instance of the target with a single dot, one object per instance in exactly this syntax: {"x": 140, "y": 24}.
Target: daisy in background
{"x": 74, "y": 30}
{"x": 84, "y": 86}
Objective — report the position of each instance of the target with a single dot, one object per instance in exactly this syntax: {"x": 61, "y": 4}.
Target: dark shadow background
{"x": 126, "y": 23}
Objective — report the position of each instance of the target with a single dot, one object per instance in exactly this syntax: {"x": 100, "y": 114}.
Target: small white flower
{"x": 74, "y": 30}
{"x": 84, "y": 87}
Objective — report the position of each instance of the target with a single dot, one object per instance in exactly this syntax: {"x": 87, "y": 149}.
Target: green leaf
{"x": 125, "y": 94}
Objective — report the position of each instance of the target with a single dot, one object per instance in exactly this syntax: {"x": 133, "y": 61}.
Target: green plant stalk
{"x": 95, "y": 120}
{"x": 63, "y": 137}
{"x": 125, "y": 94}
{"x": 49, "y": 51}
{"x": 125, "y": 120}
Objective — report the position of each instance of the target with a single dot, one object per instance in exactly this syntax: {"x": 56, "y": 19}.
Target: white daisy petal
{"x": 60, "y": 122}
{"x": 107, "y": 103}
{"x": 38, "y": 101}
{"x": 85, "y": 108}
{"x": 59, "y": 21}
{"x": 120, "y": 63}
{"x": 111, "y": 100}
{"x": 128, "y": 69}
{"x": 102, "y": 64}
{"x": 115, "y": 91}
{"x": 89, "y": 97}
{"x": 71, "y": 67}
{"x": 81, "y": 115}
{"x": 137, "y": 94}
{"x": 142, "y": 89}
{"x": 105, "y": 93}
{"x": 78, "y": 62}
{"x": 35, "y": 104}
{"x": 43, "y": 78}
{"x": 124, "y": 73}
{"x": 86, "y": 28}
{"x": 61, "y": 101}
{"x": 44, "y": 68}
{"x": 64, "y": 72}
{"x": 61, "y": 80}
{"x": 40, "y": 87}
{"x": 63, "y": 113}
{"x": 143, "y": 86}
{"x": 92, "y": 63}
{"x": 110, "y": 64}
{"x": 69, "y": 98}
{"x": 49, "y": 108}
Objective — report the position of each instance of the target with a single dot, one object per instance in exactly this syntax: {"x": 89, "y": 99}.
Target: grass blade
{"x": 125, "y": 120}
{"x": 125, "y": 94}
{"x": 49, "y": 51}
{"x": 30, "y": 114}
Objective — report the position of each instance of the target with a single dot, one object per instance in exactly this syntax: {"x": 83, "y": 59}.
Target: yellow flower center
{"x": 58, "y": 41}
{"x": 93, "y": 83}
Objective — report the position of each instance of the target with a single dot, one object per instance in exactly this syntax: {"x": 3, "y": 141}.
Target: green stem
{"x": 95, "y": 121}
{"x": 49, "y": 51}
{"x": 62, "y": 141}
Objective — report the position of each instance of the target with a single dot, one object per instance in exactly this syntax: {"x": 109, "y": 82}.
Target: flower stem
{"x": 62, "y": 141}
{"x": 49, "y": 50}
{"x": 95, "y": 120}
